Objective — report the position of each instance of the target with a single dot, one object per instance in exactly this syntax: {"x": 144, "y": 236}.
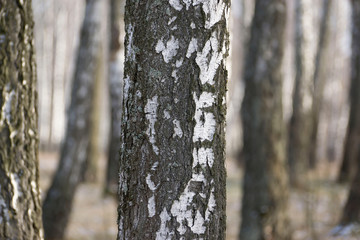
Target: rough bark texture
{"x": 58, "y": 202}
{"x": 300, "y": 122}
{"x": 115, "y": 84}
{"x": 172, "y": 175}
{"x": 352, "y": 140}
{"x": 264, "y": 207}
{"x": 20, "y": 208}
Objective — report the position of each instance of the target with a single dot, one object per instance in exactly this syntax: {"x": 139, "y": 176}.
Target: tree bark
{"x": 115, "y": 84}
{"x": 300, "y": 122}
{"x": 20, "y": 208}
{"x": 172, "y": 174}
{"x": 319, "y": 80}
{"x": 58, "y": 202}
{"x": 264, "y": 206}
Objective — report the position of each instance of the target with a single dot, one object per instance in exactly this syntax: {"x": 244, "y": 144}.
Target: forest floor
{"x": 314, "y": 211}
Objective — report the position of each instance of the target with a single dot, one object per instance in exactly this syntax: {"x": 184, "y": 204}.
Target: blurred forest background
{"x": 318, "y": 195}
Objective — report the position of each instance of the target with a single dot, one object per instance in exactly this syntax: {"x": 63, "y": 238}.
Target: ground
{"x": 314, "y": 210}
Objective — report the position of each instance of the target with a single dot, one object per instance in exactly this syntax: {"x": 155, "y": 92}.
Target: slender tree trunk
{"x": 58, "y": 202}
{"x": 264, "y": 207}
{"x": 300, "y": 122}
{"x": 20, "y": 208}
{"x": 352, "y": 141}
{"x": 172, "y": 174}
{"x": 115, "y": 84}
{"x": 319, "y": 79}
{"x": 351, "y": 213}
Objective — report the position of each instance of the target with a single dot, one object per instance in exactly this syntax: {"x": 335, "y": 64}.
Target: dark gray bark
{"x": 115, "y": 84}
{"x": 300, "y": 122}
{"x": 58, "y": 202}
{"x": 172, "y": 174}
{"x": 319, "y": 79}
{"x": 20, "y": 208}
{"x": 264, "y": 206}
{"x": 352, "y": 140}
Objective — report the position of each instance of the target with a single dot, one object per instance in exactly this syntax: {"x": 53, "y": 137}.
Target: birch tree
{"x": 58, "y": 201}
{"x": 172, "y": 175}
{"x": 264, "y": 206}
{"x": 20, "y": 208}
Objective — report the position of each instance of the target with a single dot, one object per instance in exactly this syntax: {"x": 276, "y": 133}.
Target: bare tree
{"x": 58, "y": 201}
{"x": 20, "y": 208}
{"x": 300, "y": 122}
{"x": 264, "y": 206}
{"x": 352, "y": 140}
{"x": 172, "y": 174}
{"x": 319, "y": 79}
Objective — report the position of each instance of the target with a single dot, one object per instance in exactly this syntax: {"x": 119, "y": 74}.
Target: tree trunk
{"x": 172, "y": 174}
{"x": 351, "y": 212}
{"x": 319, "y": 79}
{"x": 20, "y": 207}
{"x": 300, "y": 122}
{"x": 58, "y": 202}
{"x": 352, "y": 140}
{"x": 264, "y": 207}
{"x": 115, "y": 84}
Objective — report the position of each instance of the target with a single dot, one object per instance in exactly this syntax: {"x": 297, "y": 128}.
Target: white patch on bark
{"x": 168, "y": 51}
{"x": 177, "y": 129}
{"x": 150, "y": 112}
{"x": 211, "y": 204}
{"x": 129, "y": 47}
{"x": 203, "y": 156}
{"x": 126, "y": 93}
{"x": 192, "y": 47}
{"x": 163, "y": 232}
{"x": 182, "y": 209}
{"x": 171, "y": 20}
{"x": 214, "y": 10}
{"x": 208, "y": 67}
{"x": 187, "y": 3}
{"x": 166, "y": 114}
{"x": 6, "y": 109}
{"x": 205, "y": 121}
{"x": 176, "y": 4}
{"x": 192, "y": 25}
{"x": 198, "y": 226}
{"x": 150, "y": 183}
{"x": 154, "y": 166}
{"x": 179, "y": 62}
{"x": 174, "y": 75}
{"x": 16, "y": 190}
{"x": 33, "y": 187}
{"x": 151, "y": 206}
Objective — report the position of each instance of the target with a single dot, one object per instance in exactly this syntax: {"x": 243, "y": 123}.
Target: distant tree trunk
{"x": 319, "y": 79}
{"x": 351, "y": 148}
{"x": 300, "y": 122}
{"x": 172, "y": 174}
{"x": 264, "y": 207}
{"x": 115, "y": 84}
{"x": 20, "y": 207}
{"x": 58, "y": 202}
{"x": 351, "y": 213}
